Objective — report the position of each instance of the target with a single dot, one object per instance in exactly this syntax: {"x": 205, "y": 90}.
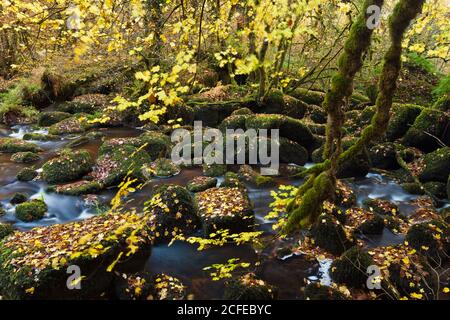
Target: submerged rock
{"x": 225, "y": 208}
{"x": 68, "y": 166}
{"x": 13, "y": 145}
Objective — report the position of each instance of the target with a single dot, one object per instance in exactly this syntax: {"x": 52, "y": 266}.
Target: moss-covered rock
{"x": 292, "y": 152}
{"x": 13, "y": 145}
{"x": 279, "y": 103}
{"x": 224, "y": 208}
{"x": 309, "y": 96}
{"x": 88, "y": 137}
{"x": 436, "y": 188}
{"x": 437, "y": 166}
{"x": 39, "y": 137}
{"x": 34, "y": 264}
{"x": 242, "y": 111}
{"x": 317, "y": 114}
{"x": 68, "y": 166}
{"x": 26, "y": 174}
{"x": 74, "y": 107}
{"x": 430, "y": 238}
{"x": 166, "y": 287}
{"x": 162, "y": 168}
{"x": 413, "y": 188}
{"x": 75, "y": 124}
{"x": 250, "y": 176}
{"x": 344, "y": 195}
{"x": 350, "y": 269}
{"x": 46, "y": 119}
{"x": 214, "y": 170}
{"x": 118, "y": 162}
{"x": 231, "y": 180}
{"x": 156, "y": 144}
{"x": 201, "y": 183}
{"x": 233, "y": 122}
{"x": 31, "y": 210}
{"x": 443, "y": 103}
{"x": 428, "y": 126}
{"x": 402, "y": 118}
{"x": 249, "y": 287}
{"x": 174, "y": 210}
{"x": 136, "y": 286}
{"x": 317, "y": 291}
{"x": 382, "y": 207}
{"x": 383, "y": 156}
{"x": 329, "y": 235}
{"x": 79, "y": 188}
{"x": 18, "y": 197}
{"x": 5, "y": 230}
{"x": 25, "y": 157}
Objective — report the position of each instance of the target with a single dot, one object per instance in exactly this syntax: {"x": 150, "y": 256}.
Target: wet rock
{"x": 5, "y": 230}
{"x": 79, "y": 188}
{"x": 364, "y": 221}
{"x": 89, "y": 137}
{"x": 39, "y": 137}
{"x": 436, "y": 188}
{"x": 118, "y": 162}
{"x": 31, "y": 210}
{"x": 428, "y": 126}
{"x": 214, "y": 170}
{"x": 13, "y": 145}
{"x": 402, "y": 118}
{"x": 18, "y": 197}
{"x": 27, "y": 174}
{"x": 431, "y": 239}
{"x": 162, "y": 168}
{"x": 34, "y": 264}
{"x": 75, "y": 124}
{"x": 174, "y": 211}
{"x": 382, "y": 207}
{"x": 413, "y": 188}
{"x": 437, "y": 166}
{"x": 249, "y": 287}
{"x": 46, "y": 119}
{"x": 201, "y": 183}
{"x": 224, "y": 208}
{"x": 68, "y": 166}
{"x": 25, "y": 157}
{"x": 250, "y": 176}
{"x": 329, "y": 235}
{"x": 350, "y": 269}
{"x": 317, "y": 291}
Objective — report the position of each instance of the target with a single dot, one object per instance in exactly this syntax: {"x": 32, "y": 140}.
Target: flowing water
{"x": 181, "y": 259}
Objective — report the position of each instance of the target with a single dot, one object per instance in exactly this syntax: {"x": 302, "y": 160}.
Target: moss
{"x": 382, "y": 207}
{"x": 350, "y": 269}
{"x": 5, "y": 230}
{"x": 403, "y": 117}
{"x": 214, "y": 170}
{"x": 224, "y": 208}
{"x": 79, "y": 188}
{"x": 27, "y": 174}
{"x": 162, "y": 168}
{"x": 31, "y": 210}
{"x": 74, "y": 107}
{"x": 46, "y": 119}
{"x": 70, "y": 165}
{"x": 75, "y": 124}
{"x": 156, "y": 144}
{"x": 201, "y": 183}
{"x": 89, "y": 137}
{"x": 329, "y": 235}
{"x": 133, "y": 286}
{"x": 437, "y": 166}
{"x": 25, "y": 157}
{"x": 279, "y": 103}
{"x": 292, "y": 152}
{"x": 248, "y": 175}
{"x": 413, "y": 188}
{"x": 13, "y": 145}
{"x": 174, "y": 210}
{"x": 442, "y": 104}
{"x": 436, "y": 188}
{"x": 430, "y": 238}
{"x": 428, "y": 125}
{"x": 317, "y": 114}
{"x": 234, "y": 122}
{"x": 249, "y": 287}
{"x": 242, "y": 111}
{"x": 317, "y": 291}
{"x": 40, "y": 137}
{"x": 372, "y": 226}
{"x": 231, "y": 180}
{"x": 18, "y": 197}
{"x": 309, "y": 96}
{"x": 383, "y": 156}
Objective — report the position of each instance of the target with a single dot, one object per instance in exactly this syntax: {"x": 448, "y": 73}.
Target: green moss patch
{"x": 31, "y": 210}
{"x": 13, "y": 145}
{"x": 67, "y": 167}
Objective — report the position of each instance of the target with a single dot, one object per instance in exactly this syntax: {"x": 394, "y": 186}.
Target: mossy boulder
{"x": 428, "y": 126}
{"x": 39, "y": 137}
{"x": 31, "y": 210}
{"x": 413, "y": 188}
{"x": 431, "y": 239}
{"x": 375, "y": 225}
{"x": 5, "y": 230}
{"x": 156, "y": 144}
{"x": 317, "y": 291}
{"x": 18, "y": 197}
{"x": 233, "y": 122}
{"x": 383, "y": 156}
{"x": 87, "y": 138}
{"x": 214, "y": 170}
{"x": 75, "y": 124}
{"x": 118, "y": 162}
{"x": 35, "y": 264}
{"x": 279, "y": 103}
{"x": 26, "y": 174}
{"x": 317, "y": 114}
{"x": 402, "y": 118}
{"x": 46, "y": 119}
{"x": 382, "y": 207}
{"x": 201, "y": 183}
{"x": 25, "y": 157}
{"x": 329, "y": 234}
{"x": 68, "y": 166}
{"x": 137, "y": 286}
{"x": 79, "y": 188}
{"x": 437, "y": 166}
{"x": 351, "y": 268}
{"x": 292, "y": 152}
{"x": 436, "y": 188}
{"x": 174, "y": 210}
{"x": 231, "y": 180}
{"x": 242, "y": 111}
{"x": 309, "y": 96}
{"x": 74, "y": 107}
{"x": 249, "y": 287}
{"x": 224, "y": 208}
{"x": 160, "y": 168}
{"x": 13, "y": 145}
{"x": 250, "y": 176}
{"x": 166, "y": 287}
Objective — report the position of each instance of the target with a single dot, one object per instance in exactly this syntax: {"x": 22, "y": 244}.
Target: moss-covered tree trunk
{"x": 320, "y": 184}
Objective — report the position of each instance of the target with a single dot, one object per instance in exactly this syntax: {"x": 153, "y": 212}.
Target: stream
{"x": 183, "y": 260}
